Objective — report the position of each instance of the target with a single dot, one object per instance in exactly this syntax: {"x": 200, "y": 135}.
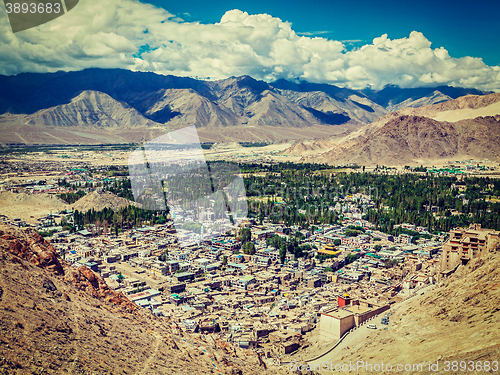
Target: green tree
{"x": 389, "y": 263}
{"x": 282, "y": 253}
{"x": 245, "y": 235}
{"x": 275, "y": 241}
{"x": 120, "y": 277}
{"x": 248, "y": 248}
{"x": 352, "y": 232}
{"x": 350, "y": 258}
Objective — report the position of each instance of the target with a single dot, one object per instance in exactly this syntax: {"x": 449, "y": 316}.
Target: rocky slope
{"x": 187, "y": 107}
{"x": 392, "y": 97}
{"x": 433, "y": 98}
{"x": 466, "y": 107}
{"x": 410, "y": 139}
{"x": 57, "y": 319}
{"x": 175, "y": 101}
{"x": 334, "y": 111}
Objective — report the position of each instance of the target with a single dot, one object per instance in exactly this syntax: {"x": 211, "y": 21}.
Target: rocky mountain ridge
{"x": 90, "y": 108}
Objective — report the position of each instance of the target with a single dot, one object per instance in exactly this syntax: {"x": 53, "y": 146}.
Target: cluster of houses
{"x": 252, "y": 300}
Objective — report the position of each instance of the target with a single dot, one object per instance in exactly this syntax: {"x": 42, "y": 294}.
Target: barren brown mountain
{"x": 120, "y": 107}
{"x": 472, "y": 130}
{"x": 408, "y": 139}
{"x": 97, "y": 106}
{"x": 90, "y": 108}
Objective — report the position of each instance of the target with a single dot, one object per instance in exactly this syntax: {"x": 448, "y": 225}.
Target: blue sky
{"x": 464, "y": 28}
{"x": 349, "y": 44}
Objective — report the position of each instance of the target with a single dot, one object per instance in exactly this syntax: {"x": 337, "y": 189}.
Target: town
{"x": 280, "y": 286}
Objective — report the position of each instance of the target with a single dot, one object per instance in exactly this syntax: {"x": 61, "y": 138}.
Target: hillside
{"x": 98, "y": 199}
{"x": 458, "y": 320}
{"x": 432, "y": 98}
{"x": 466, "y": 107}
{"x": 392, "y": 97}
{"x": 57, "y": 319}
{"x": 90, "y": 108}
{"x": 410, "y": 139}
{"x": 333, "y": 111}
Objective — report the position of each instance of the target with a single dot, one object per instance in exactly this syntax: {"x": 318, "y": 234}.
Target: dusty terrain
{"x": 57, "y": 319}
{"x": 29, "y": 207}
{"x": 14, "y": 130}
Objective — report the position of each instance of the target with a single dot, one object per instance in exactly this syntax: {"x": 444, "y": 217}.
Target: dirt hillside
{"x": 99, "y": 199}
{"x": 467, "y": 127}
{"x": 407, "y": 139}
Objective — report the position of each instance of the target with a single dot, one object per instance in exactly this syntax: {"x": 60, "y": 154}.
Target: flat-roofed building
{"x": 262, "y": 261}
{"x": 465, "y": 244}
{"x": 244, "y": 282}
{"x": 313, "y": 282}
{"x": 334, "y": 322}
{"x": 159, "y": 269}
{"x": 145, "y": 295}
{"x": 183, "y": 276}
{"x": 262, "y": 234}
{"x": 175, "y": 288}
{"x": 203, "y": 262}
{"x": 172, "y": 265}
{"x": 236, "y": 266}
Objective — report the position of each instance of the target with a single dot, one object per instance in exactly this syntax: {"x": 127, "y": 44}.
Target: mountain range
{"x": 113, "y": 105}
{"x": 467, "y": 127}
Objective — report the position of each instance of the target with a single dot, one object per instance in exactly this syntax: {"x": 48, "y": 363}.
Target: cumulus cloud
{"x": 132, "y": 35}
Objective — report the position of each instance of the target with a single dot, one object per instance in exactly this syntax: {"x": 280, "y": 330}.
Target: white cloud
{"x": 311, "y": 33}
{"x": 265, "y": 47}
